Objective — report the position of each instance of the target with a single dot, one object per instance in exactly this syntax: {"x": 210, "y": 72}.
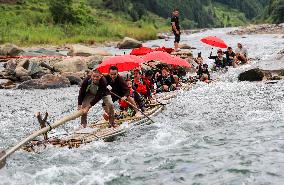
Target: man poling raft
{"x": 93, "y": 89}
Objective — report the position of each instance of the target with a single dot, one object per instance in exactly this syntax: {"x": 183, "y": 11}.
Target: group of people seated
{"x": 133, "y": 92}
{"x": 223, "y": 59}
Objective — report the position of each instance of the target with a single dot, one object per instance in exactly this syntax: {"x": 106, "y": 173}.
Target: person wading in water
{"x": 93, "y": 89}
{"x": 176, "y": 27}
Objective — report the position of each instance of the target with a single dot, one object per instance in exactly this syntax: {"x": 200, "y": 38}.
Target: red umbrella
{"x": 123, "y": 63}
{"x": 177, "y": 61}
{"x": 141, "y": 51}
{"x": 168, "y": 50}
{"x": 214, "y": 41}
{"x": 157, "y": 55}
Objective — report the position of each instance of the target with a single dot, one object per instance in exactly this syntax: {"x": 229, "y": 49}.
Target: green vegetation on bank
{"x": 31, "y": 22}
{"x": 274, "y": 12}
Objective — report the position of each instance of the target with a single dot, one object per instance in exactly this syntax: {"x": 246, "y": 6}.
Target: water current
{"x": 227, "y": 132}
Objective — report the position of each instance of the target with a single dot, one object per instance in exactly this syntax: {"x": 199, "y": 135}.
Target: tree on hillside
{"x": 64, "y": 11}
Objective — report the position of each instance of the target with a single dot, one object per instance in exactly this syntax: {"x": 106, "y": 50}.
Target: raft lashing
{"x": 99, "y": 130}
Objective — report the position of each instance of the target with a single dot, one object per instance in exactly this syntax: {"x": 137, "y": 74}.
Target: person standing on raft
{"x": 176, "y": 27}
{"x": 93, "y": 89}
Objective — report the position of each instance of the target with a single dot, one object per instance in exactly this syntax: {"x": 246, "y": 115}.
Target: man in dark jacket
{"x": 117, "y": 85}
{"x": 93, "y": 89}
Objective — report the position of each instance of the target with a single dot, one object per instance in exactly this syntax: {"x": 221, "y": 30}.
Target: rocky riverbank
{"x": 260, "y": 29}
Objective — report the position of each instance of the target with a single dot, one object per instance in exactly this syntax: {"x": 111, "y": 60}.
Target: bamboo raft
{"x": 99, "y": 130}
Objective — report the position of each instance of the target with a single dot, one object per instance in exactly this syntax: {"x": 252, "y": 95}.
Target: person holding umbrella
{"x": 176, "y": 27}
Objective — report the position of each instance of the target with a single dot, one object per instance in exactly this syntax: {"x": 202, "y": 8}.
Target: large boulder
{"x": 81, "y": 50}
{"x": 10, "y": 50}
{"x": 46, "y": 82}
{"x": 94, "y": 61}
{"x": 74, "y": 64}
{"x": 74, "y": 78}
{"x": 255, "y": 75}
{"x": 129, "y": 43}
{"x": 20, "y": 71}
{"x": 186, "y": 46}
{"x": 6, "y": 84}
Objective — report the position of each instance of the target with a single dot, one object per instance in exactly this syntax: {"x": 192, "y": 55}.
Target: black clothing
{"x": 228, "y": 55}
{"x": 84, "y": 90}
{"x": 202, "y": 69}
{"x": 169, "y": 81}
{"x": 220, "y": 63}
{"x": 119, "y": 87}
{"x": 177, "y": 37}
{"x": 175, "y": 20}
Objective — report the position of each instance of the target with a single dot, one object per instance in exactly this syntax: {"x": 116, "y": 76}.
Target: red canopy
{"x": 141, "y": 51}
{"x": 123, "y": 63}
{"x": 214, "y": 41}
{"x": 157, "y": 55}
{"x": 145, "y": 50}
{"x": 178, "y": 62}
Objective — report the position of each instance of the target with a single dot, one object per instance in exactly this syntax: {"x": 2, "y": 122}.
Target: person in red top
{"x": 135, "y": 95}
{"x": 139, "y": 83}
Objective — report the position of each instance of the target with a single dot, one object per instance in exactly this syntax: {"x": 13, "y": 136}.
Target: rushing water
{"x": 227, "y": 132}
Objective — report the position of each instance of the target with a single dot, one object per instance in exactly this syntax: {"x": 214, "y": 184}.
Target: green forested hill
{"x": 274, "y": 12}
{"x": 28, "y": 22}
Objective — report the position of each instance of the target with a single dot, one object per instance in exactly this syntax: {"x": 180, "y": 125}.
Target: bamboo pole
{"x": 5, "y": 154}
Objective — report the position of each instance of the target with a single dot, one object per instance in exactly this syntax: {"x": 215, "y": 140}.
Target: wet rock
{"x": 81, "y": 74}
{"x": 6, "y": 84}
{"x": 46, "y": 82}
{"x": 255, "y": 75}
{"x": 10, "y": 50}
{"x": 74, "y": 64}
{"x": 260, "y": 29}
{"x": 20, "y": 71}
{"x": 162, "y": 36}
{"x": 11, "y": 65}
{"x": 276, "y": 78}
{"x": 74, "y": 79}
{"x": 81, "y": 50}
{"x": 155, "y": 46}
{"x": 185, "y": 53}
{"x": 129, "y": 43}
{"x": 94, "y": 61}
{"x": 186, "y": 46}
{"x": 24, "y": 78}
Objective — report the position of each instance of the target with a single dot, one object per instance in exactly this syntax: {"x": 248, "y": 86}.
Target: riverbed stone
{"x": 10, "y": 50}
{"x": 94, "y": 61}
{"x": 129, "y": 43}
{"x": 46, "y": 82}
{"x": 186, "y": 46}
{"x": 81, "y": 50}
{"x": 6, "y": 84}
{"x": 20, "y": 71}
{"x": 74, "y": 64}
{"x": 255, "y": 75}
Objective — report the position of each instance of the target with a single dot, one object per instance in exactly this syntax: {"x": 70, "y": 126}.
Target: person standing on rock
{"x": 93, "y": 89}
{"x": 176, "y": 28}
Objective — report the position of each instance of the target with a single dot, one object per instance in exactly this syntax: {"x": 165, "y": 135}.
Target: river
{"x": 227, "y": 132}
